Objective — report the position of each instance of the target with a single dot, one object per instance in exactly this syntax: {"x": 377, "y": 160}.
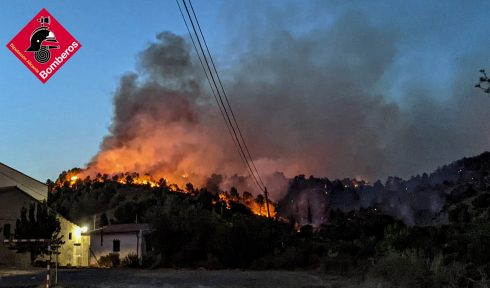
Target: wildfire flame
{"x": 258, "y": 207}
{"x": 261, "y": 208}
{"x": 73, "y": 177}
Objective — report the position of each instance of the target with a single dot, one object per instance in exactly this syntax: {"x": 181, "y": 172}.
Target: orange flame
{"x": 257, "y": 207}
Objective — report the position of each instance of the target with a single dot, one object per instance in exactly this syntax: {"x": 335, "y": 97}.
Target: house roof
{"x": 122, "y": 228}
{"x": 10, "y": 177}
{"x": 15, "y": 188}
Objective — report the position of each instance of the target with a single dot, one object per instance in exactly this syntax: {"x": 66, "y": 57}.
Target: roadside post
{"x": 48, "y": 272}
{"x": 13, "y": 242}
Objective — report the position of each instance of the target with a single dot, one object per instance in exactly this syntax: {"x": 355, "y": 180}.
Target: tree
{"x": 129, "y": 180}
{"x": 247, "y": 197}
{"x": 189, "y": 187}
{"x": 162, "y": 183}
{"x": 260, "y": 201}
{"x": 104, "y": 221}
{"x": 234, "y": 194}
{"x": 126, "y": 213}
{"x": 37, "y": 222}
{"x": 205, "y": 199}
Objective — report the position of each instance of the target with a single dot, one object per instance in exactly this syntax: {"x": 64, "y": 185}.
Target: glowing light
{"x": 73, "y": 179}
{"x": 78, "y": 232}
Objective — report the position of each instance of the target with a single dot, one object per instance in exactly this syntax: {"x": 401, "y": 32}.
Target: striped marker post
{"x": 7, "y": 241}
{"x": 48, "y": 272}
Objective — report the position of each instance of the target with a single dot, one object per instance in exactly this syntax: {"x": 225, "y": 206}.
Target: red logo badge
{"x": 43, "y": 45}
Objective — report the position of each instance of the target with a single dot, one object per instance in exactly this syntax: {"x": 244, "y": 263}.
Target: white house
{"x": 18, "y": 190}
{"x": 122, "y": 239}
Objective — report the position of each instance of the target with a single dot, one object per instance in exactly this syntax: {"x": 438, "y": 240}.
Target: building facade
{"x": 18, "y": 190}
{"x": 121, "y": 239}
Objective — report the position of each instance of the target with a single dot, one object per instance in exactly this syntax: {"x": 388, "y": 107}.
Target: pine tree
{"x": 104, "y": 221}
{"x": 37, "y": 222}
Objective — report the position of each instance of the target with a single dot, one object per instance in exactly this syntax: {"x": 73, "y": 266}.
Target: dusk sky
{"x": 429, "y": 54}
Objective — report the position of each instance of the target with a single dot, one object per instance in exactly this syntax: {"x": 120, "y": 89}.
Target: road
{"x": 167, "y": 278}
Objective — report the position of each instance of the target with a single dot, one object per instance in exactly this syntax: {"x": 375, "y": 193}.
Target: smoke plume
{"x": 315, "y": 103}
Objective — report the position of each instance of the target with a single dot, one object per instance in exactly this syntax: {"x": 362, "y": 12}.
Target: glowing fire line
{"x": 257, "y": 208}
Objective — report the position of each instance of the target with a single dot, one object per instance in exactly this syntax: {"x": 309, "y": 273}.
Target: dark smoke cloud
{"x": 310, "y": 100}
{"x": 342, "y": 101}
{"x": 310, "y": 103}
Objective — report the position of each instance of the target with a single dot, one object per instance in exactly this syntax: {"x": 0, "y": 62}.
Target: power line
{"x": 226, "y": 96}
{"x": 223, "y": 108}
{"x": 211, "y": 86}
{"x": 219, "y": 95}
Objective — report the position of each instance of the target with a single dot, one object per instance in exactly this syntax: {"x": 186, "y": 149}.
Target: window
{"x": 69, "y": 236}
{"x": 6, "y": 231}
{"x": 116, "y": 246}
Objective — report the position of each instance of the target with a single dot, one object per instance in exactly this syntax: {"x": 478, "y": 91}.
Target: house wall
{"x": 13, "y": 200}
{"x": 71, "y": 255}
{"x": 75, "y": 251}
{"x": 128, "y": 245}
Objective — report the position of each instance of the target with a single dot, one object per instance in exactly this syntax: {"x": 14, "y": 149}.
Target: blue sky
{"x": 58, "y": 125}
{"x": 47, "y": 128}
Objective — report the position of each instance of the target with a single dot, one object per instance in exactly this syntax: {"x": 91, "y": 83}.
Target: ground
{"x": 135, "y": 278}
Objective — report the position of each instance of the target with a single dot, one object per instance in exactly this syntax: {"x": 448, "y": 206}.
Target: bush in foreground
{"x": 110, "y": 260}
{"x": 131, "y": 260}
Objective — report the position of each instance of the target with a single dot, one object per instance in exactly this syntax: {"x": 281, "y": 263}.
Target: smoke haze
{"x": 319, "y": 102}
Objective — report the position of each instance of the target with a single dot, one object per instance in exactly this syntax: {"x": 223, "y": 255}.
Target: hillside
{"x": 427, "y": 199}
{"x": 421, "y": 200}
{"x": 434, "y": 227}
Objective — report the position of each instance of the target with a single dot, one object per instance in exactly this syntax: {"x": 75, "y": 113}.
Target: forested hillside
{"x": 436, "y": 226}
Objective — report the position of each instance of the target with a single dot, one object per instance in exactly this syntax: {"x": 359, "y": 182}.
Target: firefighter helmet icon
{"x": 42, "y": 40}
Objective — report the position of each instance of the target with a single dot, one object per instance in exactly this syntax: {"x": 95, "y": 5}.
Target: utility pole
{"x": 310, "y": 216}
{"x": 269, "y": 217}
{"x": 267, "y": 202}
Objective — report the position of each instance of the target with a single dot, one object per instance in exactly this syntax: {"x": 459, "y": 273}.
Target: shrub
{"x": 285, "y": 260}
{"x": 131, "y": 260}
{"x": 110, "y": 260}
{"x": 211, "y": 262}
{"x": 482, "y": 201}
{"x": 460, "y": 214}
{"x": 148, "y": 260}
{"x": 410, "y": 270}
